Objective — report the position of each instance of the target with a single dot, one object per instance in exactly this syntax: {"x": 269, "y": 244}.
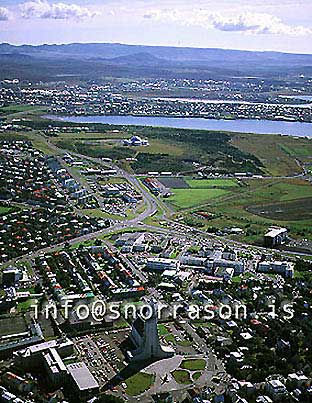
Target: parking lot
{"x": 102, "y": 354}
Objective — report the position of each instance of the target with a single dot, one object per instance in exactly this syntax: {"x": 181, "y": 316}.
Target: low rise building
{"x": 285, "y": 269}
{"x": 161, "y": 264}
{"x": 82, "y": 381}
{"x": 276, "y": 389}
{"x": 11, "y": 276}
{"x": 275, "y": 236}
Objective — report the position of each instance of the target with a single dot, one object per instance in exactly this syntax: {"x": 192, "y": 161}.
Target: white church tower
{"x": 144, "y": 335}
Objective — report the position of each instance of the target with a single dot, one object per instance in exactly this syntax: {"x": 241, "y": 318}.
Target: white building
{"x": 275, "y": 236}
{"x": 161, "y": 264}
{"x": 276, "y": 389}
{"x": 135, "y": 141}
{"x": 285, "y": 269}
{"x": 81, "y": 379}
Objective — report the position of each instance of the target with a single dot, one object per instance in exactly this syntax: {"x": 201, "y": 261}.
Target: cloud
{"x": 252, "y": 23}
{"x": 57, "y": 11}
{"x": 4, "y": 14}
{"x": 255, "y": 23}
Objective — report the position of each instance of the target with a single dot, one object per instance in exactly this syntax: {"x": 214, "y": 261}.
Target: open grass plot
{"x": 187, "y": 198}
{"x": 139, "y": 383}
{"x": 211, "y": 183}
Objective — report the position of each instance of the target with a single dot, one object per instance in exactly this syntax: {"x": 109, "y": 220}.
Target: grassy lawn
{"x": 163, "y": 147}
{"x": 138, "y": 383}
{"x": 26, "y": 305}
{"x": 293, "y": 191}
{"x": 92, "y": 136}
{"x": 170, "y": 338}
{"x": 261, "y": 203}
{"x": 19, "y": 108}
{"x": 5, "y": 210}
{"x": 162, "y": 330}
{"x": 187, "y": 198}
{"x": 181, "y": 376}
{"x": 194, "y": 364}
{"x": 196, "y": 375}
{"x": 211, "y": 183}
{"x": 277, "y": 153}
{"x": 295, "y": 151}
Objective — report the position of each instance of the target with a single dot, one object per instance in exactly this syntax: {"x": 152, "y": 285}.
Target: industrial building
{"x": 275, "y": 236}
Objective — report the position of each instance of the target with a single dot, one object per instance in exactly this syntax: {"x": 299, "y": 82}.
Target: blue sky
{"x": 283, "y": 25}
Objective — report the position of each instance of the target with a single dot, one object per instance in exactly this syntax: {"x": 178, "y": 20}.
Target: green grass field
{"x": 181, "y": 376}
{"x": 293, "y": 191}
{"x": 5, "y": 210}
{"x": 194, "y": 364}
{"x": 196, "y": 375}
{"x": 138, "y": 383}
{"x": 162, "y": 330}
{"x": 211, "y": 183}
{"x": 18, "y": 108}
{"x": 278, "y": 154}
{"x": 252, "y": 208}
{"x": 97, "y": 213}
{"x": 187, "y": 198}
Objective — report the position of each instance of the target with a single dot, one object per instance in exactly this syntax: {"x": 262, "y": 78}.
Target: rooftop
{"x": 275, "y": 232}
{"x": 82, "y": 376}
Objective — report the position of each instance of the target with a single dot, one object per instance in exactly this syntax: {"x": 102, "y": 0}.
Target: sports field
{"x": 200, "y": 191}
{"x": 211, "y": 183}
{"x": 187, "y": 198}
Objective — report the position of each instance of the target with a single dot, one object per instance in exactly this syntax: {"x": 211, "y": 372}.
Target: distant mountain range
{"x": 96, "y": 60}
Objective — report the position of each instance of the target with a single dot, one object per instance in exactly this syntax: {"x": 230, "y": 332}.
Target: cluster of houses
{"x": 78, "y": 103}
{"x": 24, "y": 231}
{"x": 294, "y": 387}
{"x": 25, "y": 177}
{"x": 113, "y": 277}
{"x": 87, "y": 272}
{"x": 54, "y": 268}
{"x": 112, "y": 98}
